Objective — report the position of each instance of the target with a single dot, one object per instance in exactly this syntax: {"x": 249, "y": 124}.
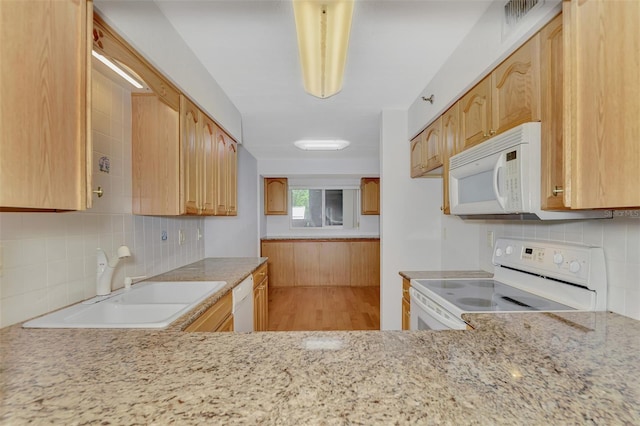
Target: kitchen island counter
{"x": 533, "y": 368}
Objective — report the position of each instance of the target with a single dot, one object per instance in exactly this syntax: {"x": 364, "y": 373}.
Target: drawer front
{"x": 214, "y": 316}
{"x": 259, "y": 275}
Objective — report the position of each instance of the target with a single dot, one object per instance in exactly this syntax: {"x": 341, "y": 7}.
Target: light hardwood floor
{"x": 324, "y": 308}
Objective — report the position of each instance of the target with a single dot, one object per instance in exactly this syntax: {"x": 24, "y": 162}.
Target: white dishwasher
{"x": 243, "y": 305}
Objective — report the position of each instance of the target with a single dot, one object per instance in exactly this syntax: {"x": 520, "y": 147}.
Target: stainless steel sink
{"x": 146, "y": 305}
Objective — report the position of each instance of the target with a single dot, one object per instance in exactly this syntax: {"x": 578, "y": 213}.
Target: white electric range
{"x": 530, "y": 276}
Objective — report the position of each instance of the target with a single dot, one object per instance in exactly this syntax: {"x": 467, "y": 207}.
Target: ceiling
{"x": 250, "y": 49}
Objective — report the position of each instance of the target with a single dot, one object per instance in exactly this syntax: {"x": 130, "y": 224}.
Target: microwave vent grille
{"x": 519, "y": 135}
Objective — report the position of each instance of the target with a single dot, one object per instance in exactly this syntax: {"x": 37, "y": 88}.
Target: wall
{"x": 620, "y": 238}
{"x": 49, "y": 259}
{"x": 144, "y": 26}
{"x": 321, "y": 172}
{"x": 410, "y": 221}
{"x": 237, "y": 235}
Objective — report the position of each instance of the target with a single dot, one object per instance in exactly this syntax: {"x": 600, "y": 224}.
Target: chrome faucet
{"x": 106, "y": 268}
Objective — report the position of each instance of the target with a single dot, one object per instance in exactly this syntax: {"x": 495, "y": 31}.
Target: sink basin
{"x": 146, "y": 305}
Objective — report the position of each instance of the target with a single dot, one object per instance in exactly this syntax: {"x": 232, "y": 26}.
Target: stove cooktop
{"x": 485, "y": 296}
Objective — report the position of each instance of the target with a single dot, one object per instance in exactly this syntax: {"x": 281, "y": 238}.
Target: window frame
{"x": 324, "y": 189}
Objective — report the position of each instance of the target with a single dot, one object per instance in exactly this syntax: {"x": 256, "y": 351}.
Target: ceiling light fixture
{"x": 321, "y": 144}
{"x": 116, "y": 69}
{"x": 323, "y": 28}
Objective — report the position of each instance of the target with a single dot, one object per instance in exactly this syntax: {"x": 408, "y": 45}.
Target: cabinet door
{"x": 191, "y": 151}
{"x": 406, "y": 315}
{"x": 275, "y": 196}
{"x": 365, "y": 263}
{"x": 221, "y": 173}
{"x": 45, "y": 76}
{"x": 432, "y": 149}
{"x": 475, "y": 114}
{"x": 551, "y": 75}
{"x": 232, "y": 178}
{"x": 417, "y": 167}
{"x": 280, "y": 263}
{"x": 209, "y": 166}
{"x": 370, "y": 196}
{"x": 227, "y": 325}
{"x": 602, "y": 103}
{"x": 515, "y": 97}
{"x": 450, "y": 146}
{"x": 214, "y": 318}
{"x": 155, "y": 151}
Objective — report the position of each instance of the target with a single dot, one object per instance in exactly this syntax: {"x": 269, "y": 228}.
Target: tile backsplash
{"x": 619, "y": 237}
{"x": 48, "y": 260}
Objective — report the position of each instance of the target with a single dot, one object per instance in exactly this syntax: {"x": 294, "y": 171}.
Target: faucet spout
{"x": 106, "y": 268}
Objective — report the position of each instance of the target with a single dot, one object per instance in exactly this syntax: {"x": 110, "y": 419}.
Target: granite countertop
{"x": 526, "y": 368}
{"x": 435, "y": 275}
{"x": 323, "y": 238}
{"x": 230, "y": 269}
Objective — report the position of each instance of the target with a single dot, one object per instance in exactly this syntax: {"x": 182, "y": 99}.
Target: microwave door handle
{"x": 496, "y": 181}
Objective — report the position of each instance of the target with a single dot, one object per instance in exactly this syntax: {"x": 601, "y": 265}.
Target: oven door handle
{"x": 451, "y": 323}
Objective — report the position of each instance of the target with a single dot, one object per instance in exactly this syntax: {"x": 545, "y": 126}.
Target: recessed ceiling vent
{"x": 515, "y": 11}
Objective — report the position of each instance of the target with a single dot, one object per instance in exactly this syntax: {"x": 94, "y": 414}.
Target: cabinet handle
{"x": 99, "y": 192}
{"x": 492, "y": 132}
{"x": 557, "y": 190}
{"x": 485, "y": 135}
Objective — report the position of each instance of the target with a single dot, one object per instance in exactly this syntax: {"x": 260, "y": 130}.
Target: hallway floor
{"x": 324, "y": 308}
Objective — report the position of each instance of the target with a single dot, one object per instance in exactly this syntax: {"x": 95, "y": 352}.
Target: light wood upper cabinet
{"x": 426, "y": 151}
{"x": 45, "y": 104}
{"x": 551, "y": 79}
{"x": 208, "y": 178}
{"x": 191, "y": 141}
{"x": 451, "y": 145}
{"x": 275, "y": 196}
{"x": 226, "y": 178}
{"x": 509, "y": 96}
{"x": 601, "y": 103}
{"x": 416, "y": 147}
{"x": 515, "y": 85}
{"x": 432, "y": 146}
{"x": 475, "y": 114}
{"x": 155, "y": 156}
{"x": 370, "y": 196}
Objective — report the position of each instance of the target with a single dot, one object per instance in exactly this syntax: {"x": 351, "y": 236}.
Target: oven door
{"x": 428, "y": 315}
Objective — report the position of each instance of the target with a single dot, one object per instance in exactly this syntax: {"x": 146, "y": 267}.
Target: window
{"x": 323, "y": 208}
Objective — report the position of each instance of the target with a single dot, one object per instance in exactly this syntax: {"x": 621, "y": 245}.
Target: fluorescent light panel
{"x": 116, "y": 69}
{"x": 321, "y": 144}
{"x": 323, "y": 28}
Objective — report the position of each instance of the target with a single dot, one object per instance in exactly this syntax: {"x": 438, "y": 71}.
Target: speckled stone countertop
{"x": 527, "y": 368}
{"x": 324, "y": 238}
{"x": 436, "y": 275}
{"x": 232, "y": 270}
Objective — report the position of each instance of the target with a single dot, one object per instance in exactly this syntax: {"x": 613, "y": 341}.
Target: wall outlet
{"x": 164, "y": 236}
{"x": 199, "y": 235}
{"x": 490, "y": 239}
{"x": 1, "y": 260}
{"x": 181, "y": 237}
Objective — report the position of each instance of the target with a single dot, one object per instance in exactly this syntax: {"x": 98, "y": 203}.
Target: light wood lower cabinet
{"x": 217, "y": 318}
{"x": 261, "y": 299}
{"x": 45, "y": 104}
{"x": 310, "y": 263}
{"x": 406, "y": 305}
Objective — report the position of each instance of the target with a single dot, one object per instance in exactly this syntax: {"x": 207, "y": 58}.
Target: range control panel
{"x": 568, "y": 262}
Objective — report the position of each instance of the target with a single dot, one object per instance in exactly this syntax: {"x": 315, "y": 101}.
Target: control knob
{"x": 498, "y": 252}
{"x": 509, "y": 250}
{"x": 574, "y": 266}
{"x": 558, "y": 258}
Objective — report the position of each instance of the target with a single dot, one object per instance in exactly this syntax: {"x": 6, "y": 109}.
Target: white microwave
{"x": 500, "y": 179}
